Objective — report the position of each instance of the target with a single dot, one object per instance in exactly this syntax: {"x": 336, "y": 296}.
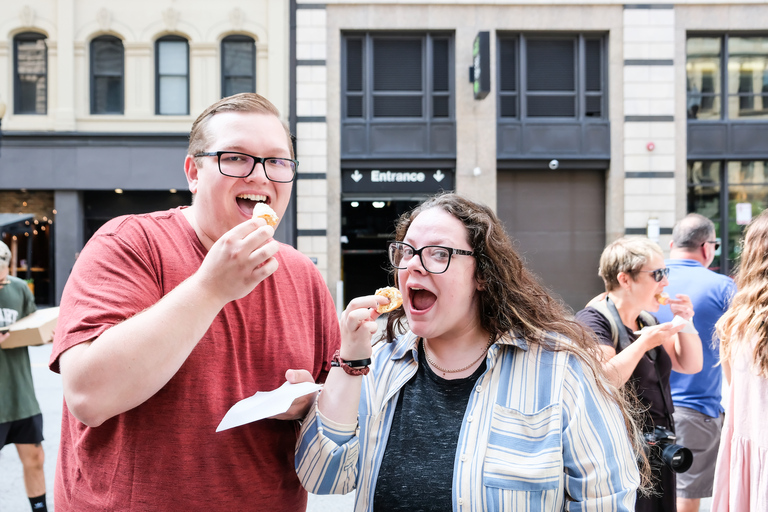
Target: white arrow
{"x": 357, "y": 176}
{"x": 438, "y": 176}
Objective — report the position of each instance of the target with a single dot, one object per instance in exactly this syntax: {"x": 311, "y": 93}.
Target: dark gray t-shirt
{"x": 416, "y": 472}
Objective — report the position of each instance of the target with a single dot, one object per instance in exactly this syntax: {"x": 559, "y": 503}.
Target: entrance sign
{"x": 386, "y": 181}
{"x": 481, "y": 65}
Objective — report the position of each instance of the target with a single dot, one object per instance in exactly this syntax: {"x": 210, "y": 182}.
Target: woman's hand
{"x": 681, "y": 306}
{"x": 358, "y": 325}
{"x": 341, "y": 393}
{"x": 658, "y": 335}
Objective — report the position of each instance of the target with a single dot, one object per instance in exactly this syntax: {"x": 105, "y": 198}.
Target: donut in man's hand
{"x": 263, "y": 211}
{"x": 394, "y": 296}
{"x": 662, "y": 298}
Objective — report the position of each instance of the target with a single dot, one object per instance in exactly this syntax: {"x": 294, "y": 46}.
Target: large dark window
{"x": 107, "y": 71}
{"x": 172, "y": 76}
{"x": 727, "y": 77}
{"x": 238, "y": 65}
{"x": 397, "y": 76}
{"x": 31, "y": 74}
{"x": 551, "y": 76}
{"x": 730, "y": 193}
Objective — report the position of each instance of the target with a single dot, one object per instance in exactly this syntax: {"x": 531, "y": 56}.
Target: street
{"x": 13, "y": 498}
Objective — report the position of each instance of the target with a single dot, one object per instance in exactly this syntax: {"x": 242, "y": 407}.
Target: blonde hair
{"x": 747, "y": 315}
{"x": 248, "y": 102}
{"x": 626, "y": 255}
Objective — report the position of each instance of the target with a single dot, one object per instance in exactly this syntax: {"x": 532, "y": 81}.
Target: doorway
{"x": 366, "y": 226}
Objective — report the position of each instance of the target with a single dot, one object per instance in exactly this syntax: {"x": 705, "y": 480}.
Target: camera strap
{"x": 624, "y": 343}
{"x": 652, "y": 354}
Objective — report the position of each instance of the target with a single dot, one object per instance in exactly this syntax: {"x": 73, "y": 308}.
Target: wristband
{"x": 357, "y": 367}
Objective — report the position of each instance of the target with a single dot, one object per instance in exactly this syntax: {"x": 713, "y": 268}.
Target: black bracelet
{"x": 359, "y": 363}
{"x": 358, "y": 367}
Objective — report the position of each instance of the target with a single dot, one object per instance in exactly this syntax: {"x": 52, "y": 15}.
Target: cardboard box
{"x": 35, "y": 329}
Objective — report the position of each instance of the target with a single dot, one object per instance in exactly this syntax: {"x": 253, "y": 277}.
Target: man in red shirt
{"x": 170, "y": 318}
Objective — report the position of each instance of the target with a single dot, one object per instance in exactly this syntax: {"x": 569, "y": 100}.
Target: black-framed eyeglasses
{"x": 241, "y": 165}
{"x": 434, "y": 258}
{"x": 717, "y": 244}
{"x": 658, "y": 274}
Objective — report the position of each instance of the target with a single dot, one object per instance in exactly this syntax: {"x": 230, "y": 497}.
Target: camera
{"x": 663, "y": 450}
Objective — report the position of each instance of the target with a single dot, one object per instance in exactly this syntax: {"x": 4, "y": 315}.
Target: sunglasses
{"x": 717, "y": 244}
{"x": 658, "y": 274}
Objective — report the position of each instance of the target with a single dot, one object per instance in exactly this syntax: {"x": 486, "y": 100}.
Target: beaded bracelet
{"x": 357, "y": 367}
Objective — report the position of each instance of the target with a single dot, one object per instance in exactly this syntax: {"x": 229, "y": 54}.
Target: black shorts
{"x": 26, "y": 431}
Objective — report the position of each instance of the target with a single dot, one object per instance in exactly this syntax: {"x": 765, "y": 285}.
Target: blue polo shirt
{"x": 710, "y": 294}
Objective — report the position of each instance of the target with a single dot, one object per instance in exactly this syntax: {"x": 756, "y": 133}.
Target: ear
{"x": 671, "y": 244}
{"x": 191, "y": 171}
{"x": 624, "y": 279}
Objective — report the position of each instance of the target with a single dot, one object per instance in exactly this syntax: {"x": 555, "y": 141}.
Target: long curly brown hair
{"x": 747, "y": 317}
{"x": 512, "y": 300}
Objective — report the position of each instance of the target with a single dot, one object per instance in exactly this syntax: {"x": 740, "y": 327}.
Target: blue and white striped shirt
{"x": 537, "y": 435}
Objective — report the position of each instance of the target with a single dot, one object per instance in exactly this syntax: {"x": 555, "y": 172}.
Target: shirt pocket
{"x": 524, "y": 451}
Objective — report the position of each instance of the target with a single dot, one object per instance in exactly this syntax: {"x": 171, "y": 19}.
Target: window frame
{"x": 427, "y": 92}
{"x": 93, "y": 75}
{"x": 521, "y": 93}
{"x": 17, "y": 100}
{"x": 724, "y": 219}
{"x": 725, "y": 93}
{"x": 158, "y": 42}
{"x": 239, "y": 38}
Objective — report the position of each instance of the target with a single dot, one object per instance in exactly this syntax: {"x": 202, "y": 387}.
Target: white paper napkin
{"x": 265, "y": 404}
{"x": 678, "y": 320}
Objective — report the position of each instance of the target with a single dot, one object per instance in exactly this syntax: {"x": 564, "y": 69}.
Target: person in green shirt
{"x": 21, "y": 422}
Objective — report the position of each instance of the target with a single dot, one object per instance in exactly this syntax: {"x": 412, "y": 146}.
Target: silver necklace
{"x": 458, "y": 370}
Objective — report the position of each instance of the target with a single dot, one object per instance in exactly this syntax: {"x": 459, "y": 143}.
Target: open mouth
{"x": 246, "y": 202}
{"x": 421, "y": 300}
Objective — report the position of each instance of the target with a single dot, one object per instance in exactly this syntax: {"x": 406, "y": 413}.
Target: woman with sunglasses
{"x": 490, "y": 399}
{"x": 635, "y": 277}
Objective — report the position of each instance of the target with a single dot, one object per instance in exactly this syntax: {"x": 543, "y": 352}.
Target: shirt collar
{"x": 408, "y": 344}
{"x": 683, "y": 262}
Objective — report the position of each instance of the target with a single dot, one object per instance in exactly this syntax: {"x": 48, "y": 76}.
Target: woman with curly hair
{"x": 740, "y": 479}
{"x": 491, "y": 399}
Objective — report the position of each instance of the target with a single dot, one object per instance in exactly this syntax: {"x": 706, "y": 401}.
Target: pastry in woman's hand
{"x": 394, "y": 296}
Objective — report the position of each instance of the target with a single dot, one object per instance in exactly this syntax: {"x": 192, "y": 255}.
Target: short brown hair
{"x": 244, "y": 102}
{"x": 692, "y": 231}
{"x": 626, "y": 255}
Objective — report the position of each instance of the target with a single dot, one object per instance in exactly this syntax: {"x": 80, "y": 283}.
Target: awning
{"x": 15, "y": 223}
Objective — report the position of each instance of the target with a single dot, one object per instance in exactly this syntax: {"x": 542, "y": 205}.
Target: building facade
{"x": 100, "y": 98}
{"x": 586, "y": 127}
{"x": 579, "y": 122}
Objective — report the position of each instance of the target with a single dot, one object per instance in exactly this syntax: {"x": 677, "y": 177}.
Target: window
{"x": 238, "y": 65}
{"x": 728, "y": 193}
{"x": 107, "y": 69}
{"x": 172, "y": 72}
{"x": 397, "y": 77}
{"x": 741, "y": 92}
{"x": 551, "y": 77}
{"x": 31, "y": 77}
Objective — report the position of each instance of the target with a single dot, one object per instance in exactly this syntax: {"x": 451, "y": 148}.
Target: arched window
{"x": 31, "y": 74}
{"x": 238, "y": 65}
{"x": 172, "y": 76}
{"x": 107, "y": 75}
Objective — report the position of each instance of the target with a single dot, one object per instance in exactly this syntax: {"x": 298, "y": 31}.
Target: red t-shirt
{"x": 165, "y": 454}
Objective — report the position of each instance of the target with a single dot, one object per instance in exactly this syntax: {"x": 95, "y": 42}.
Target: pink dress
{"x": 741, "y": 474}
